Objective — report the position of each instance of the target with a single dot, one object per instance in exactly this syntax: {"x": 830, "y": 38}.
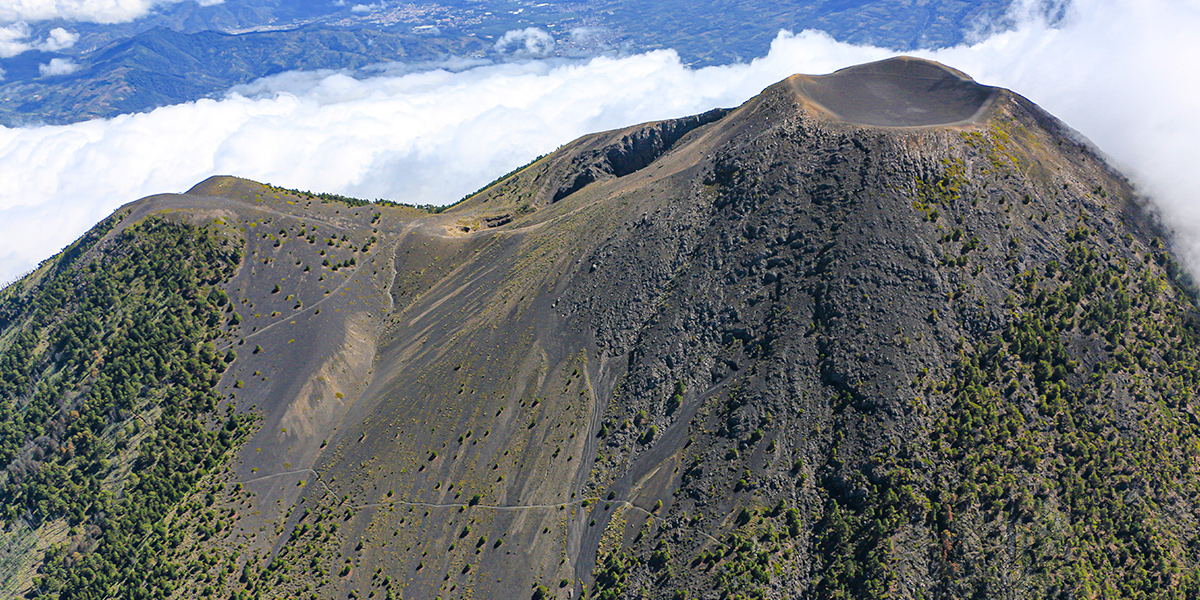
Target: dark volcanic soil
{"x": 898, "y": 92}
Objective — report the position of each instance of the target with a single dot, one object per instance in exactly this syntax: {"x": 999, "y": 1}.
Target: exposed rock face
{"x": 634, "y": 151}
{"x": 884, "y": 332}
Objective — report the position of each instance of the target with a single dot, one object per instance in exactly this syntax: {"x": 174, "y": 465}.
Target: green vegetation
{"x": 1054, "y": 457}
{"x": 500, "y": 179}
{"x": 611, "y": 573}
{"x": 1066, "y": 448}
{"x": 1041, "y": 433}
{"x": 111, "y": 361}
{"x": 328, "y": 197}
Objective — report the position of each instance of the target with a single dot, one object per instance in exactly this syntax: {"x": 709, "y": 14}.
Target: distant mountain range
{"x": 161, "y": 67}
{"x": 186, "y": 51}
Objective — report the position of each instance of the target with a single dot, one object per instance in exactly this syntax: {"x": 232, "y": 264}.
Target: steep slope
{"x": 884, "y": 332}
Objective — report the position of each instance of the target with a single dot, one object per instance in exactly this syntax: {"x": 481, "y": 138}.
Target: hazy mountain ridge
{"x": 781, "y": 353}
{"x": 162, "y": 67}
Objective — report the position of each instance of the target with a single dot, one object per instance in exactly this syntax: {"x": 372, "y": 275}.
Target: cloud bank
{"x": 1123, "y": 72}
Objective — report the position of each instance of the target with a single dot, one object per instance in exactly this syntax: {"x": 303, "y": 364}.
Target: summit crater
{"x": 897, "y": 92}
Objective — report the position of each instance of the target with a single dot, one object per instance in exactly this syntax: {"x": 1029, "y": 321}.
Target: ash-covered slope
{"x": 885, "y": 332}
{"x": 899, "y": 92}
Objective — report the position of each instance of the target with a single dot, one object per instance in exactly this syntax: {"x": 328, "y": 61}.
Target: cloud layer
{"x": 1121, "y": 71}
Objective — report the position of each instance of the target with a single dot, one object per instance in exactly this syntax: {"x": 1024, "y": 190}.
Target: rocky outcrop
{"x": 633, "y": 151}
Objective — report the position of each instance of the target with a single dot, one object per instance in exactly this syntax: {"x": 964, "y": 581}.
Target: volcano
{"x": 885, "y": 332}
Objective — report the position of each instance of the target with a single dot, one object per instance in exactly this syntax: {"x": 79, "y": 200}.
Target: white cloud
{"x": 92, "y": 11}
{"x": 530, "y": 42}
{"x": 59, "y": 39}
{"x": 14, "y": 39}
{"x": 583, "y": 34}
{"x": 367, "y": 8}
{"x": 1122, "y": 72}
{"x": 58, "y": 66}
